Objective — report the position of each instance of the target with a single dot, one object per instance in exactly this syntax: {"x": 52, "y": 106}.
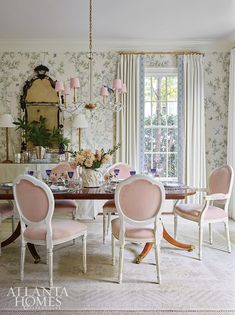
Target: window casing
{"x": 161, "y": 122}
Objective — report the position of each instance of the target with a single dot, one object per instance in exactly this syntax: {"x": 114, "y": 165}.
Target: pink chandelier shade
{"x": 74, "y": 83}
{"x": 59, "y": 86}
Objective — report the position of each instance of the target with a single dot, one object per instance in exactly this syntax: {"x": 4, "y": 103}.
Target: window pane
{"x": 159, "y": 140}
{"x": 172, "y": 88}
{"x": 159, "y": 114}
{"x": 162, "y": 87}
{"x": 148, "y": 139}
{"x": 148, "y": 88}
{"x": 147, "y": 162}
{"x": 172, "y": 140}
{"x": 159, "y": 161}
{"x": 147, "y": 114}
{"x": 172, "y": 113}
{"x": 172, "y": 165}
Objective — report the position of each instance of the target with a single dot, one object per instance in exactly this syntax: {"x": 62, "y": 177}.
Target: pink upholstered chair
{"x": 35, "y": 203}
{"x": 138, "y": 200}
{"x": 65, "y": 206}
{"x": 215, "y": 207}
{"x": 6, "y": 211}
{"x": 109, "y": 206}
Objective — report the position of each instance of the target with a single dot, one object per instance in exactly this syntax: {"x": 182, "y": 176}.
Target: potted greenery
{"x": 58, "y": 140}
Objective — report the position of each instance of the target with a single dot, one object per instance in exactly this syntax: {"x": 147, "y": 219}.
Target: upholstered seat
{"x": 35, "y": 204}
{"x": 133, "y": 232}
{"x": 138, "y": 200}
{"x": 61, "y": 229}
{"x": 194, "y": 211}
{"x": 215, "y": 207}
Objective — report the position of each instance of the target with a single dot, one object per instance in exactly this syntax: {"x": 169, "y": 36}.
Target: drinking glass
{"x": 132, "y": 172}
{"x": 31, "y": 173}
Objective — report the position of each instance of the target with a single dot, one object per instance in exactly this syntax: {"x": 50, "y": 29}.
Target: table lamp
{"x": 79, "y": 123}
{"x": 6, "y": 121}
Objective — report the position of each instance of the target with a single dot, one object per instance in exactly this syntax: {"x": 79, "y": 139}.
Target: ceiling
{"x": 123, "y": 20}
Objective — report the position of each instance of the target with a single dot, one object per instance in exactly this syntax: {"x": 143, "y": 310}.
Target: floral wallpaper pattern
{"x": 17, "y": 67}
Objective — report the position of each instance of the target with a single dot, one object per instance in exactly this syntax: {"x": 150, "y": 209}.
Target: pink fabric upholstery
{"x": 193, "y": 212}
{"x": 134, "y": 232}
{"x": 219, "y": 181}
{"x": 6, "y": 211}
{"x": 71, "y": 204}
{"x": 60, "y": 229}
{"x": 140, "y": 200}
{"x": 124, "y": 170}
{"x": 63, "y": 168}
{"x": 32, "y": 200}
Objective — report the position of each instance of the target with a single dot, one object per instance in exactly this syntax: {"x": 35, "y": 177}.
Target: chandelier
{"x": 111, "y": 97}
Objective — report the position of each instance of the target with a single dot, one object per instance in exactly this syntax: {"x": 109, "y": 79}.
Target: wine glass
{"x": 48, "y": 172}
{"x": 70, "y": 175}
{"x": 153, "y": 171}
{"x": 132, "y": 172}
{"x": 116, "y": 171}
{"x": 31, "y": 173}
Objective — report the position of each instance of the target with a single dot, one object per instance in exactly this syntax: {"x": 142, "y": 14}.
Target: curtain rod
{"x": 160, "y": 53}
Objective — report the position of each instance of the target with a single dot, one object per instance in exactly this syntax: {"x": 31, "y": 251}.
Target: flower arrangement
{"x": 94, "y": 160}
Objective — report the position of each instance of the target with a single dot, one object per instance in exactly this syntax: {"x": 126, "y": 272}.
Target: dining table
{"x": 102, "y": 193}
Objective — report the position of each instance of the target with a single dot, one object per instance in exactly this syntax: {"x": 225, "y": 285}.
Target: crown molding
{"x": 114, "y": 45}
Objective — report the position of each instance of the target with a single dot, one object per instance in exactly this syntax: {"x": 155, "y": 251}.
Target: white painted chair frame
{"x": 209, "y": 200}
{"x": 155, "y": 220}
{"x": 49, "y": 242}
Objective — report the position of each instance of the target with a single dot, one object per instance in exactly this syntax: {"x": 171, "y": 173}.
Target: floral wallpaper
{"x": 17, "y": 67}
{"x": 216, "y": 107}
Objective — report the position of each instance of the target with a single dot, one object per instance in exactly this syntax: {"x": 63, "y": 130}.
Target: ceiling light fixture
{"x": 112, "y": 98}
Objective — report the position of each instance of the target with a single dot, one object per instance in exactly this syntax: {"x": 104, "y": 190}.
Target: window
{"x": 161, "y": 122}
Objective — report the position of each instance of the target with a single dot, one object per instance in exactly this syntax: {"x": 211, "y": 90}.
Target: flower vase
{"x": 91, "y": 178}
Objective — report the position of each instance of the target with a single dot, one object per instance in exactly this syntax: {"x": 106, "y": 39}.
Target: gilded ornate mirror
{"x": 40, "y": 99}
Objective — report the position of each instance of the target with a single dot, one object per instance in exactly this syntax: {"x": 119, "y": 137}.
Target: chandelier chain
{"x": 90, "y": 29}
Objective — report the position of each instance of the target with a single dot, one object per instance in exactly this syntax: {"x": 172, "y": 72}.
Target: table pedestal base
{"x": 169, "y": 239}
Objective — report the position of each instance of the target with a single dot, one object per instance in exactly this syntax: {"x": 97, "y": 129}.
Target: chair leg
{"x": 50, "y": 258}
{"x": 157, "y": 258}
{"x": 104, "y": 227}
{"x": 200, "y": 241}
{"x": 210, "y": 233}
{"x": 113, "y": 249}
{"x": 121, "y": 252}
{"x": 109, "y": 222}
{"x": 22, "y": 260}
{"x": 227, "y": 236}
{"x": 84, "y": 253}
{"x": 0, "y": 237}
{"x": 175, "y": 225}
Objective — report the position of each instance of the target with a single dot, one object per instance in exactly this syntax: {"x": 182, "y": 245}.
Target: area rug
{"x": 188, "y": 286}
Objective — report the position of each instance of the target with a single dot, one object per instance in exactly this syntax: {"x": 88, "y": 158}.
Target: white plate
{"x": 55, "y": 188}
{"x": 6, "y": 184}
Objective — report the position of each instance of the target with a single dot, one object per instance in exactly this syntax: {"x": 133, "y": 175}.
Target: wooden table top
{"x": 101, "y": 194}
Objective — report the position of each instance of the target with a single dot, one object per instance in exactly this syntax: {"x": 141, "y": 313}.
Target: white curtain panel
{"x": 231, "y": 128}
{"x": 194, "y": 165}
{"x": 127, "y": 120}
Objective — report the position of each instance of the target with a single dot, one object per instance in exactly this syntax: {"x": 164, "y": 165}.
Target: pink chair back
{"x": 34, "y": 199}
{"x": 221, "y": 180}
{"x": 63, "y": 168}
{"x": 139, "y": 198}
{"x": 124, "y": 170}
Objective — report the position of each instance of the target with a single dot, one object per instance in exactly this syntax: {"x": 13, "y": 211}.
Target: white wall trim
{"x": 111, "y": 45}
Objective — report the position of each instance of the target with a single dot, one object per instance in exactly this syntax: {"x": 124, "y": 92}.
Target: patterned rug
{"x": 188, "y": 286}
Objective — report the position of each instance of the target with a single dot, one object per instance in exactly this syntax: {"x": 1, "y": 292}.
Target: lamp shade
{"x": 80, "y": 121}
{"x": 6, "y": 121}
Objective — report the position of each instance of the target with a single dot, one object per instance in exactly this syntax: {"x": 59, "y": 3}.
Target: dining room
{"x": 117, "y": 157}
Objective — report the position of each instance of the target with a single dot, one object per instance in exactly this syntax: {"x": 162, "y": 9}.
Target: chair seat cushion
{"x": 133, "y": 232}
{"x": 193, "y": 212}
{"x": 60, "y": 229}
{"x": 6, "y": 211}
{"x": 109, "y": 206}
